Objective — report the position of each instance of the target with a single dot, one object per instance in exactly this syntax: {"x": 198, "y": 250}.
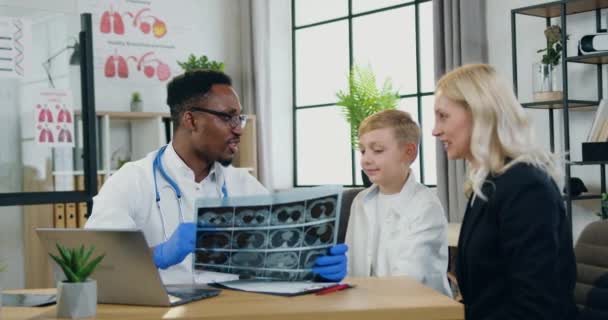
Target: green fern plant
{"x": 75, "y": 262}
{"x": 201, "y": 62}
{"x": 364, "y": 98}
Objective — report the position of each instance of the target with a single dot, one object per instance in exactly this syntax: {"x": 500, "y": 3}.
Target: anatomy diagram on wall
{"x": 147, "y": 63}
{"x": 15, "y": 47}
{"x": 133, "y": 41}
{"x": 267, "y": 237}
{"x": 54, "y": 118}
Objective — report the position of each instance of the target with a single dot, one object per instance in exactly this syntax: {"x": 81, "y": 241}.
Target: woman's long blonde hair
{"x": 501, "y": 135}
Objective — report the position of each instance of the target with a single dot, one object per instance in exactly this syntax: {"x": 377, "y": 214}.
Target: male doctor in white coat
{"x": 208, "y": 124}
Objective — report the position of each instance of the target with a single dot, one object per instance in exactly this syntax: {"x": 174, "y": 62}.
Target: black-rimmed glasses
{"x": 232, "y": 120}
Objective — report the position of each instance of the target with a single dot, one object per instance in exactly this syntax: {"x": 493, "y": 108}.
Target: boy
{"x": 396, "y": 226}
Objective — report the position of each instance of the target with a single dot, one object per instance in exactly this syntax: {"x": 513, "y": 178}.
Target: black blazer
{"x": 515, "y": 251}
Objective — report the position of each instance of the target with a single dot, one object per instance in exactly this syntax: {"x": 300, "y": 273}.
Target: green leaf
{"x": 89, "y": 268}
{"x": 202, "y": 62}
{"x": 74, "y": 262}
{"x": 86, "y": 256}
{"x": 72, "y": 277}
{"x": 65, "y": 254}
{"x": 363, "y": 99}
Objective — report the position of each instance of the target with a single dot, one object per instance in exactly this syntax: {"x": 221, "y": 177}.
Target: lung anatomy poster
{"x": 15, "y": 47}
{"x": 133, "y": 40}
{"x": 136, "y": 46}
{"x": 53, "y": 117}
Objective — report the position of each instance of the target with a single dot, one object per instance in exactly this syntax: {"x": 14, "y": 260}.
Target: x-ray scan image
{"x": 321, "y": 209}
{"x": 218, "y": 217}
{"x": 279, "y": 236}
{"x": 282, "y": 260}
{"x": 252, "y": 216}
{"x": 286, "y": 238}
{"x": 289, "y": 213}
{"x": 320, "y": 234}
{"x": 250, "y": 239}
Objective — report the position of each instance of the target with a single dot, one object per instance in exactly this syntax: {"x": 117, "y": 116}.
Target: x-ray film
{"x": 277, "y": 236}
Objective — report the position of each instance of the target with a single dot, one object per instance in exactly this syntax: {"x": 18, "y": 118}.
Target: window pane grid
{"x": 419, "y": 102}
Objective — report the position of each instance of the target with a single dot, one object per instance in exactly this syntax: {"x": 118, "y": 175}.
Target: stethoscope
{"x": 157, "y": 164}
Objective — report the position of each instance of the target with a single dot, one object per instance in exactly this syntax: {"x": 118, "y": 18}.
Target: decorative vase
{"x": 76, "y": 299}
{"x": 137, "y": 106}
{"x": 547, "y": 82}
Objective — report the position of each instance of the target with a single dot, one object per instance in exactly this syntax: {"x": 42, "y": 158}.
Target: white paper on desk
{"x": 286, "y": 288}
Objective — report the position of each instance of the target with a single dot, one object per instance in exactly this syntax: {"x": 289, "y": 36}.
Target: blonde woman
{"x": 515, "y": 256}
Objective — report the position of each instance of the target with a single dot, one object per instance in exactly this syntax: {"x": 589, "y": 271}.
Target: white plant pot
{"x": 77, "y": 300}
{"x": 137, "y": 106}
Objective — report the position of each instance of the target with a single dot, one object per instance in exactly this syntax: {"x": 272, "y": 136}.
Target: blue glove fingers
{"x": 334, "y": 277}
{"x": 336, "y": 268}
{"x": 188, "y": 234}
{"x": 177, "y": 248}
{"x": 338, "y": 249}
{"x": 329, "y": 260}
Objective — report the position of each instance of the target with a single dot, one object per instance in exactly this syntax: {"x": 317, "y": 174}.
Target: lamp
{"x": 74, "y": 59}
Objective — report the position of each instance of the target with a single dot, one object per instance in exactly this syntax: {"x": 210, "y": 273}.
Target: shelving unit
{"x": 561, "y": 9}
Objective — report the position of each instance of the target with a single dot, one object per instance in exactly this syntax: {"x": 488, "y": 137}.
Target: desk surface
{"x": 373, "y": 298}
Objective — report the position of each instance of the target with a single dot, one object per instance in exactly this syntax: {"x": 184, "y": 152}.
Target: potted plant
{"x": 201, "y": 62}
{"x": 546, "y": 75}
{"x": 362, "y": 99}
{"x": 76, "y": 296}
{"x": 136, "y": 102}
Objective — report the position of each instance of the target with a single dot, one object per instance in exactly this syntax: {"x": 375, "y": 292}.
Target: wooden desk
{"x": 373, "y": 298}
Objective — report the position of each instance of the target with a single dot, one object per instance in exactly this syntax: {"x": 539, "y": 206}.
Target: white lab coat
{"x": 412, "y": 239}
{"x": 127, "y": 201}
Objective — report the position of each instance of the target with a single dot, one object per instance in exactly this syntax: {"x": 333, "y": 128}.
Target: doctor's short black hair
{"x": 190, "y": 86}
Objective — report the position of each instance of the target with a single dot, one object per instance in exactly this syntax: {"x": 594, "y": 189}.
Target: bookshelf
{"x": 562, "y": 9}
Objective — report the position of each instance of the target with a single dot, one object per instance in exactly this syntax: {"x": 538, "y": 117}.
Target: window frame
{"x": 418, "y": 95}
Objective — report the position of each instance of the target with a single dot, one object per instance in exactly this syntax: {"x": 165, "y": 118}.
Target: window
{"x": 394, "y": 38}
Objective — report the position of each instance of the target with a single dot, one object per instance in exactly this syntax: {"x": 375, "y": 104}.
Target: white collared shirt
{"x": 127, "y": 200}
{"x": 411, "y": 231}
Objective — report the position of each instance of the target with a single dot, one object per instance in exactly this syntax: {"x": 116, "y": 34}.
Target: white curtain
{"x": 255, "y": 45}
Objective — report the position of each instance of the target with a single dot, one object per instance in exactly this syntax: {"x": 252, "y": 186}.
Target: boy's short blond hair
{"x": 404, "y": 127}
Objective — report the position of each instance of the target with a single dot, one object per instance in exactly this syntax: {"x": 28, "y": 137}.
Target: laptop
{"x": 127, "y": 274}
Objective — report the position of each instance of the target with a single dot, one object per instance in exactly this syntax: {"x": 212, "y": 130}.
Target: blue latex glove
{"x": 177, "y": 248}
{"x": 332, "y": 267}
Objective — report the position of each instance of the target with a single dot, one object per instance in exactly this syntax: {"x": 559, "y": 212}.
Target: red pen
{"x": 335, "y": 288}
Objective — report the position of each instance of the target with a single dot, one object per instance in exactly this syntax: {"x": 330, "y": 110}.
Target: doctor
{"x": 156, "y": 194}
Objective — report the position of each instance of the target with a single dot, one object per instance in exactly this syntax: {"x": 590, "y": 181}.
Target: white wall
{"x": 582, "y": 85}
{"x": 217, "y": 27}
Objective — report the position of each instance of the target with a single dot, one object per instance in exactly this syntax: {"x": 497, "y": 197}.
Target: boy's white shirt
{"x": 412, "y": 236}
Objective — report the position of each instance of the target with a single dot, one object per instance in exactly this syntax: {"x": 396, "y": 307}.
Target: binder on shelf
{"x": 82, "y": 214}
{"x": 70, "y": 215}
{"x": 595, "y": 151}
{"x": 100, "y": 180}
{"x": 59, "y": 215}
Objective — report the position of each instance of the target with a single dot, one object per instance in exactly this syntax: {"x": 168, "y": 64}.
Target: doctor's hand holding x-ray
{"x": 156, "y": 194}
